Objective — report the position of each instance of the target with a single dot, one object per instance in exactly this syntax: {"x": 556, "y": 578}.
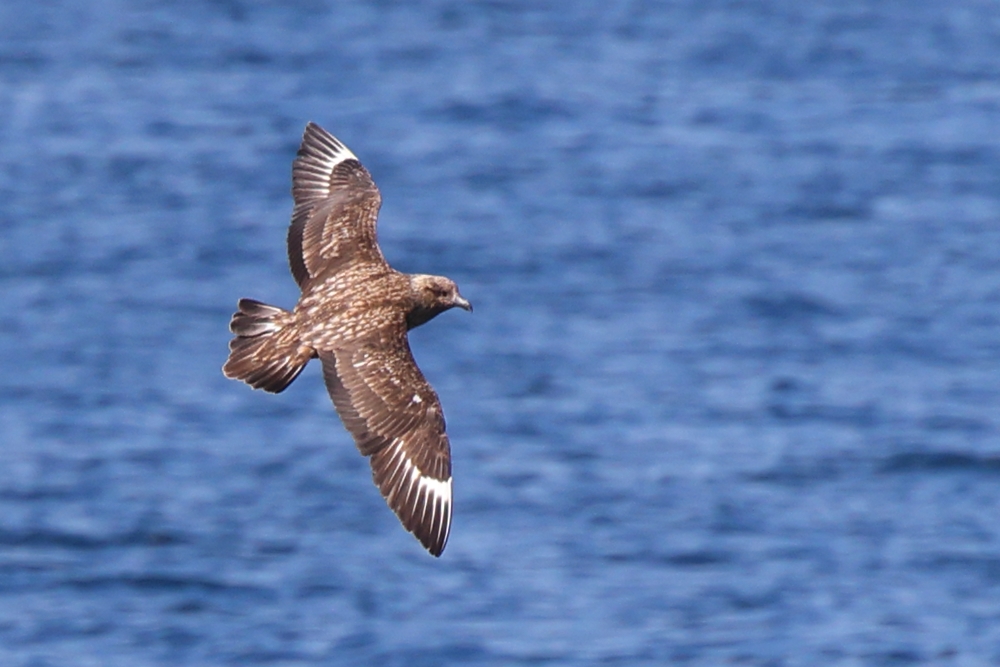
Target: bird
{"x": 353, "y": 314}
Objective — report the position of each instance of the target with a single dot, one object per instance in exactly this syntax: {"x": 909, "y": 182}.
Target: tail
{"x": 266, "y": 353}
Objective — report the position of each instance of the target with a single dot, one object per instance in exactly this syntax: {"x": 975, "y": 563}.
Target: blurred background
{"x": 729, "y": 395}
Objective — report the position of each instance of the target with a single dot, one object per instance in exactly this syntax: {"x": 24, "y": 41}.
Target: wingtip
{"x": 312, "y": 129}
{"x": 319, "y": 153}
{"x": 422, "y": 503}
{"x": 435, "y": 521}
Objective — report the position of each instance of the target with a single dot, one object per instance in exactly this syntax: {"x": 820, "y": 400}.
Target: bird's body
{"x": 353, "y": 315}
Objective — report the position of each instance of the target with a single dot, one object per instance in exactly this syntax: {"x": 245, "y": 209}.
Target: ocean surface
{"x": 730, "y": 393}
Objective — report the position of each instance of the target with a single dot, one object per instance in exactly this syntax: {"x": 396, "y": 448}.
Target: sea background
{"x": 730, "y": 393}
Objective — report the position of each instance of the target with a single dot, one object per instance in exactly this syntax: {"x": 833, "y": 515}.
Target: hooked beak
{"x": 462, "y": 303}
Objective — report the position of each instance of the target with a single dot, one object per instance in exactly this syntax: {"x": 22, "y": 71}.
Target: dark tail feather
{"x": 265, "y": 353}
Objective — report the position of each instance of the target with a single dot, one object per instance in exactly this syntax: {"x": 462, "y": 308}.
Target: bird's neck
{"x": 420, "y": 314}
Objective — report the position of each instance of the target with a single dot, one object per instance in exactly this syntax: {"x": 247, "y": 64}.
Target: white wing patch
{"x": 437, "y": 503}
{"x": 413, "y": 489}
{"x": 329, "y": 150}
{"x": 319, "y": 155}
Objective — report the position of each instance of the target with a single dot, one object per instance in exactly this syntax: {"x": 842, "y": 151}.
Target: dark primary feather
{"x": 395, "y": 416}
{"x": 336, "y": 209}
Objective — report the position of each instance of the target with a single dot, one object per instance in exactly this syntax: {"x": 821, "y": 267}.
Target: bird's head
{"x": 432, "y": 295}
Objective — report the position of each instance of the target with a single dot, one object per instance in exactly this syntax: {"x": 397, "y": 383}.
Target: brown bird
{"x": 354, "y": 314}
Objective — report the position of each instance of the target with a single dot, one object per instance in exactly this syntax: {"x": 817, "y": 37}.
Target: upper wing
{"x": 396, "y": 419}
{"x": 336, "y": 207}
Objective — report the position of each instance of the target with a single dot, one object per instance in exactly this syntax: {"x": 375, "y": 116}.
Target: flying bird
{"x": 354, "y": 315}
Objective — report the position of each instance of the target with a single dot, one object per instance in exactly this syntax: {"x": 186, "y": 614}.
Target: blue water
{"x": 729, "y": 396}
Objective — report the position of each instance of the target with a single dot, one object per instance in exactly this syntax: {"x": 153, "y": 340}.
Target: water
{"x": 729, "y": 395}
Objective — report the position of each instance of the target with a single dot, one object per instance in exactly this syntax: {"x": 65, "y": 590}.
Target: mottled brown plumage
{"x": 353, "y": 314}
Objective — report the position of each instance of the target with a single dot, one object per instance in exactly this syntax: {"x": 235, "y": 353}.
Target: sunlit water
{"x": 729, "y": 394}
